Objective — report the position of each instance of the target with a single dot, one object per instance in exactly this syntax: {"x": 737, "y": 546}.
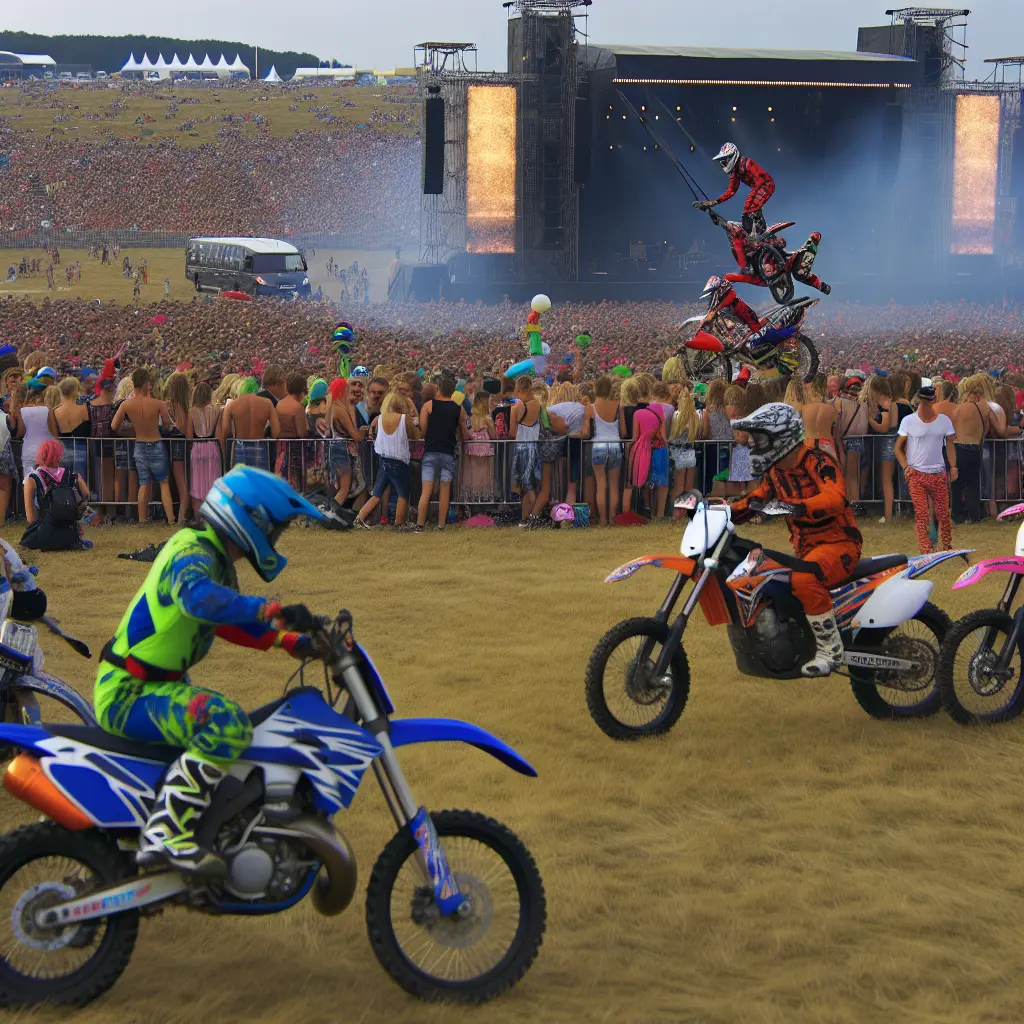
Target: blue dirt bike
{"x": 455, "y": 905}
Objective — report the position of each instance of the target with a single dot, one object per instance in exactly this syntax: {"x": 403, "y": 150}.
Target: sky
{"x": 383, "y": 35}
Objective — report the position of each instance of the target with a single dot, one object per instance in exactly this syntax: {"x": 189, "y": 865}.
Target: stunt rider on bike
{"x": 190, "y": 596}
{"x": 821, "y": 528}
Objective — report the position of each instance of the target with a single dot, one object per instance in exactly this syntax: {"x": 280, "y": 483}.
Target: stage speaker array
{"x": 433, "y": 146}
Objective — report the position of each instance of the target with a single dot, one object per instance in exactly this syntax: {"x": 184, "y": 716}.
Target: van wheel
{"x": 195, "y": 281}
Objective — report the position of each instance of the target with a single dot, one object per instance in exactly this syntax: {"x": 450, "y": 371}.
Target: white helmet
{"x": 728, "y": 157}
{"x": 775, "y": 430}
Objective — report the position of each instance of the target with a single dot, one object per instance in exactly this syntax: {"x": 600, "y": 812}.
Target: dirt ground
{"x": 107, "y": 282}
{"x": 778, "y": 858}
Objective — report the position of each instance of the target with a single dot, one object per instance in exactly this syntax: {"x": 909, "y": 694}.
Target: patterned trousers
{"x": 208, "y": 725}
{"x": 936, "y": 486}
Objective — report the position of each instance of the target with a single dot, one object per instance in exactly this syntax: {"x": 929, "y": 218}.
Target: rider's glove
{"x": 298, "y": 645}
{"x": 705, "y": 205}
{"x": 295, "y": 617}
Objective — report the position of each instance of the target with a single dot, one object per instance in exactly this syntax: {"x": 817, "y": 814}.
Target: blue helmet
{"x": 360, "y": 371}
{"x": 252, "y": 508}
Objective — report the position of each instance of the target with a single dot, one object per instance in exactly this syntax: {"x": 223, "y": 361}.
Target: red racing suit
{"x": 762, "y": 187}
{"x": 822, "y": 529}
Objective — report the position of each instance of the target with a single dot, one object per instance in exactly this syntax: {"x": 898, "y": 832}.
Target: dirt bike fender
{"x": 702, "y": 341}
{"x": 676, "y": 563}
{"x": 692, "y": 320}
{"x": 405, "y": 731}
{"x": 918, "y": 565}
{"x": 977, "y": 572}
{"x": 51, "y": 686}
{"x": 895, "y": 600}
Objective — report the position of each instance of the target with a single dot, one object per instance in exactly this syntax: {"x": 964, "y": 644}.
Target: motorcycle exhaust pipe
{"x": 336, "y": 883}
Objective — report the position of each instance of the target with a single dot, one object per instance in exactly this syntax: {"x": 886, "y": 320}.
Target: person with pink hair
{"x": 53, "y": 495}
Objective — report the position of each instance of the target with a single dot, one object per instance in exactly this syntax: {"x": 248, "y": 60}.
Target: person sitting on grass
{"x": 53, "y": 496}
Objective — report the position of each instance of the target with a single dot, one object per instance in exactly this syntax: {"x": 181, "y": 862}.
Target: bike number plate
{"x": 446, "y": 891}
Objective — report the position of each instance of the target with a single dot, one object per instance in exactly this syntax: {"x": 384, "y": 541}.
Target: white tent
{"x": 238, "y": 66}
{"x": 272, "y": 75}
{"x": 131, "y": 64}
{"x": 207, "y": 64}
{"x": 190, "y": 64}
{"x": 146, "y": 64}
{"x": 161, "y": 67}
{"x": 175, "y": 64}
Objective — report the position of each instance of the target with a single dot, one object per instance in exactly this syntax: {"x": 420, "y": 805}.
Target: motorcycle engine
{"x": 262, "y": 868}
{"x": 778, "y": 643}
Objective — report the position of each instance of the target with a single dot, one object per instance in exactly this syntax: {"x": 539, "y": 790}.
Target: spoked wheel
{"x": 798, "y": 358}
{"x": 975, "y": 687}
{"x": 911, "y": 694}
{"x": 41, "y": 866}
{"x": 469, "y": 956}
{"x": 623, "y": 696}
{"x": 704, "y": 367}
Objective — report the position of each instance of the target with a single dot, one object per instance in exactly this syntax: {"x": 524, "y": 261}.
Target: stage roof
{"x": 722, "y": 53}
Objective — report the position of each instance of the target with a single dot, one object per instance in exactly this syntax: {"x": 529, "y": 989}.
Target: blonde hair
{"x": 685, "y": 419}
{"x": 124, "y": 389}
{"x": 51, "y": 397}
{"x": 236, "y": 386}
{"x": 796, "y": 394}
{"x": 541, "y": 393}
{"x": 223, "y": 392}
{"x": 674, "y": 371}
{"x": 630, "y": 391}
{"x": 68, "y": 387}
{"x": 715, "y": 398}
{"x": 179, "y": 391}
{"x": 394, "y": 401}
{"x": 645, "y": 382}
{"x": 481, "y": 412}
{"x": 734, "y": 397}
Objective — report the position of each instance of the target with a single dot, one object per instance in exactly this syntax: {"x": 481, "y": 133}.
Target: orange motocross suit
{"x": 822, "y": 529}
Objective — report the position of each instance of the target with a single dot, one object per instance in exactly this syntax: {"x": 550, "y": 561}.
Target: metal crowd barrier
{"x": 332, "y": 465}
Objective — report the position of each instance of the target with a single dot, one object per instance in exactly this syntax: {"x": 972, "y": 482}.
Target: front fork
{"x": 1002, "y": 664}
{"x": 398, "y": 795}
{"x": 675, "y": 634}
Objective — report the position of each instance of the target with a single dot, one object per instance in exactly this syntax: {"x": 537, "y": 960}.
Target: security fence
{"x": 488, "y": 475}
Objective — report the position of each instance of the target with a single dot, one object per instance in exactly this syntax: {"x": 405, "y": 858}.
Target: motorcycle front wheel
{"x": 974, "y": 690}
{"x": 623, "y": 697}
{"x": 798, "y": 358}
{"x": 457, "y": 958}
{"x": 891, "y": 695}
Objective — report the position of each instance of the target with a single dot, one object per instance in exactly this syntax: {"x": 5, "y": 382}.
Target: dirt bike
{"x": 980, "y": 662}
{"x": 455, "y": 905}
{"x": 713, "y": 342}
{"x": 766, "y": 254}
{"x": 22, "y": 679}
{"x": 638, "y": 677}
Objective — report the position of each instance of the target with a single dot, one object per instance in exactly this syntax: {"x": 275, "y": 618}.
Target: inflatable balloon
{"x": 537, "y": 363}
{"x": 342, "y": 342}
{"x": 622, "y": 371}
{"x": 540, "y": 304}
{"x": 583, "y": 340}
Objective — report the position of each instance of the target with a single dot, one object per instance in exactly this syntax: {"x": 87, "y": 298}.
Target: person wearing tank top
{"x": 606, "y": 451}
{"x": 36, "y": 424}
{"x": 391, "y": 445}
{"x": 443, "y": 423}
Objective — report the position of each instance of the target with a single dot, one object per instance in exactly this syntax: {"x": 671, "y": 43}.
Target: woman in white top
{"x": 391, "y": 447}
{"x": 606, "y": 451}
{"x": 36, "y": 424}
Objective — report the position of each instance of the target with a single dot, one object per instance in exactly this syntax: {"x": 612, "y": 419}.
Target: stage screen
{"x": 975, "y": 175}
{"x": 491, "y": 169}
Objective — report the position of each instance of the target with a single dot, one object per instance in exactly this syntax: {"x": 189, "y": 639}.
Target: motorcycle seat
{"x": 94, "y": 736}
{"x": 870, "y": 566}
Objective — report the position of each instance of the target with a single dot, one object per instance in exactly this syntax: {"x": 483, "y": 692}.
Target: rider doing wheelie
{"x": 821, "y": 528}
{"x": 190, "y": 596}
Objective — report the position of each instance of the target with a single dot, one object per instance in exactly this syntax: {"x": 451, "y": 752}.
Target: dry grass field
{"x": 779, "y": 858}
{"x": 91, "y": 116}
{"x": 107, "y": 282}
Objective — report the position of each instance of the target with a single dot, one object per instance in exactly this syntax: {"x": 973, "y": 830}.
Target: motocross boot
{"x": 828, "y": 645}
{"x": 169, "y": 834}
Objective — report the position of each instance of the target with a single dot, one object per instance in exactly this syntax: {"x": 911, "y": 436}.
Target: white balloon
{"x": 540, "y": 304}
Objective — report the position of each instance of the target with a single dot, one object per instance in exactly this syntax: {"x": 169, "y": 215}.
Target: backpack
{"x": 550, "y": 445}
{"x": 59, "y": 502}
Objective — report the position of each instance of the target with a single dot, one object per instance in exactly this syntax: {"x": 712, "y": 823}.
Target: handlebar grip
{"x": 795, "y": 564}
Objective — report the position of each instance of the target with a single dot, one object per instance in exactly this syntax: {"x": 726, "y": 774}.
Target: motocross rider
{"x": 821, "y": 527}
{"x": 190, "y": 595}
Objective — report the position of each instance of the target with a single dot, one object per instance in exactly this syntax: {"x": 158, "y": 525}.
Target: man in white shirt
{"x": 923, "y": 436}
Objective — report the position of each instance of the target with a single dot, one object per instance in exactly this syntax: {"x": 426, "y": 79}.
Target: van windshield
{"x": 276, "y": 263}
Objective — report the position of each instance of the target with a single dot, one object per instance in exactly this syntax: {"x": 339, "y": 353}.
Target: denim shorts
{"x": 853, "y": 444}
{"x": 178, "y": 450}
{"x": 607, "y": 453}
{"x": 341, "y": 461}
{"x": 434, "y": 462}
{"x": 683, "y": 457}
{"x": 151, "y": 461}
{"x": 659, "y": 468}
{"x": 392, "y": 473}
{"x": 886, "y": 448}
{"x": 124, "y": 455}
{"x": 251, "y": 453}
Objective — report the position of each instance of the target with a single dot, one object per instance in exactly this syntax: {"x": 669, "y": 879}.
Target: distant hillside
{"x": 108, "y": 53}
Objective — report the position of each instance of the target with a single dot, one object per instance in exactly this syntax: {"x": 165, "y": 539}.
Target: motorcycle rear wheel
{"x": 58, "y": 865}
{"x": 919, "y": 637}
{"x": 966, "y": 676}
{"x": 804, "y": 360}
{"x": 506, "y": 895}
{"x": 630, "y": 682}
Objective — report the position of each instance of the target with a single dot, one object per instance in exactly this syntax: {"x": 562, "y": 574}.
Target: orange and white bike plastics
{"x": 891, "y": 632}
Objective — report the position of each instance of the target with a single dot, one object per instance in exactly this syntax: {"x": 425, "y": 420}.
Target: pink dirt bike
{"x": 979, "y": 669}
